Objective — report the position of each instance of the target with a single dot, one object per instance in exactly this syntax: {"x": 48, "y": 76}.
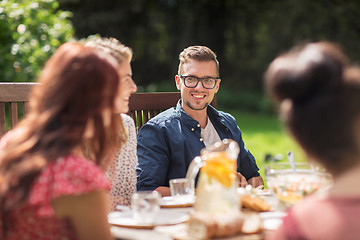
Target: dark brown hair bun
{"x": 305, "y": 72}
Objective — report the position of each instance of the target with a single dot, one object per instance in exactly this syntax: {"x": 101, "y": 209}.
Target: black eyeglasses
{"x": 192, "y": 82}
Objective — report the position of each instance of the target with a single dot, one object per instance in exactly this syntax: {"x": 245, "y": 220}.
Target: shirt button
{"x": 198, "y": 125}
{"x": 192, "y": 129}
{"x": 201, "y": 139}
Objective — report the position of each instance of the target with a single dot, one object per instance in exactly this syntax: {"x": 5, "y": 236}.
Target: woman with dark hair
{"x": 319, "y": 95}
{"x": 51, "y": 183}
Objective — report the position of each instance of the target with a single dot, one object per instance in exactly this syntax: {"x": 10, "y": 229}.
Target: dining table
{"x": 173, "y": 223}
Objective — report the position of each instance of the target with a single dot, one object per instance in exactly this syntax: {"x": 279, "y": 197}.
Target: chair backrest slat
{"x": 154, "y": 113}
{"x": 14, "y": 119}
{"x": 2, "y": 119}
{"x": 146, "y": 114}
{"x": 26, "y": 106}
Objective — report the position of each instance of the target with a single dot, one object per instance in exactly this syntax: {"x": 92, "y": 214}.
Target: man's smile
{"x": 198, "y": 95}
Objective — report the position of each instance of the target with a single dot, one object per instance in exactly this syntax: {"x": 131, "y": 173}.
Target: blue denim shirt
{"x": 168, "y": 143}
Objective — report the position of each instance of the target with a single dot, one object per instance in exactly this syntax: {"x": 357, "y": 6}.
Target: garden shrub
{"x": 250, "y": 101}
{"x": 30, "y": 31}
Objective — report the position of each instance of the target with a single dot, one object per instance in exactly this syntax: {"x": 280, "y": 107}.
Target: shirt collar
{"x": 211, "y": 112}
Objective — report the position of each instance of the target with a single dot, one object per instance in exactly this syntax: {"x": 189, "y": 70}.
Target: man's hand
{"x": 242, "y": 180}
{"x": 254, "y": 182}
{"x": 164, "y": 191}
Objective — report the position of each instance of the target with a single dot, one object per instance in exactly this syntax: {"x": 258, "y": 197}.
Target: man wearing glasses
{"x": 171, "y": 140}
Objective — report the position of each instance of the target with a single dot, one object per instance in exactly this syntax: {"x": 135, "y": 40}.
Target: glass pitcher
{"x": 216, "y": 190}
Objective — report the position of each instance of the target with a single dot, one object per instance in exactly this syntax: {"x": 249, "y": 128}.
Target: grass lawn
{"x": 264, "y": 134}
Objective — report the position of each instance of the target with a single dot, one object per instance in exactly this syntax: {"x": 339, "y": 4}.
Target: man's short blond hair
{"x": 198, "y": 53}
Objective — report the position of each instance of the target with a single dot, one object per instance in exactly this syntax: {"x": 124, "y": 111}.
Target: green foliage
{"x": 246, "y": 35}
{"x": 251, "y": 100}
{"x": 30, "y": 31}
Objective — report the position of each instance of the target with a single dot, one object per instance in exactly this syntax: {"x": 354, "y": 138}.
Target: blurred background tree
{"x": 30, "y": 31}
{"x": 246, "y": 36}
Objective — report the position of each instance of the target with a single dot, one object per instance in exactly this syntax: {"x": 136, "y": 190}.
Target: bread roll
{"x": 254, "y": 203}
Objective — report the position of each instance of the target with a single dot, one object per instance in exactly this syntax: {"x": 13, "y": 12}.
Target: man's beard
{"x": 198, "y": 108}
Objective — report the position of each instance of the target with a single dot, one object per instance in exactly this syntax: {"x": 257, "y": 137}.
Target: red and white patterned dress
{"x": 67, "y": 176}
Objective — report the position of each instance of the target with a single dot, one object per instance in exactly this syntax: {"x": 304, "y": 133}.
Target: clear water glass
{"x": 145, "y": 206}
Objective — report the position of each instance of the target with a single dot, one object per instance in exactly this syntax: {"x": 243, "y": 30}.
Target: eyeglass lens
{"x": 192, "y": 82}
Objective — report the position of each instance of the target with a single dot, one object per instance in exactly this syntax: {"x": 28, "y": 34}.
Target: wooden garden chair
{"x": 143, "y": 106}
{"x": 14, "y": 100}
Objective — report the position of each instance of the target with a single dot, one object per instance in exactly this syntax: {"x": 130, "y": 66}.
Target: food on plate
{"x": 291, "y": 187}
{"x": 205, "y": 226}
{"x": 255, "y": 203}
{"x": 221, "y": 225}
{"x": 289, "y": 198}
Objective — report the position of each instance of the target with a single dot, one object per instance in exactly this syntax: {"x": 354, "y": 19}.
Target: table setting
{"x": 218, "y": 207}
{"x": 173, "y": 222}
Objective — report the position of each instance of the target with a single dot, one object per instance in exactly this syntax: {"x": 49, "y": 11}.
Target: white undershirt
{"x": 209, "y": 134}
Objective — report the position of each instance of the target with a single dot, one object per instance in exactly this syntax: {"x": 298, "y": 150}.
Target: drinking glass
{"x": 145, "y": 205}
{"x": 182, "y": 190}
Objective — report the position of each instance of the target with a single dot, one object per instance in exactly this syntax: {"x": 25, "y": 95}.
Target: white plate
{"x": 259, "y": 192}
{"x": 272, "y": 220}
{"x": 164, "y": 217}
{"x": 264, "y": 192}
{"x": 170, "y": 202}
